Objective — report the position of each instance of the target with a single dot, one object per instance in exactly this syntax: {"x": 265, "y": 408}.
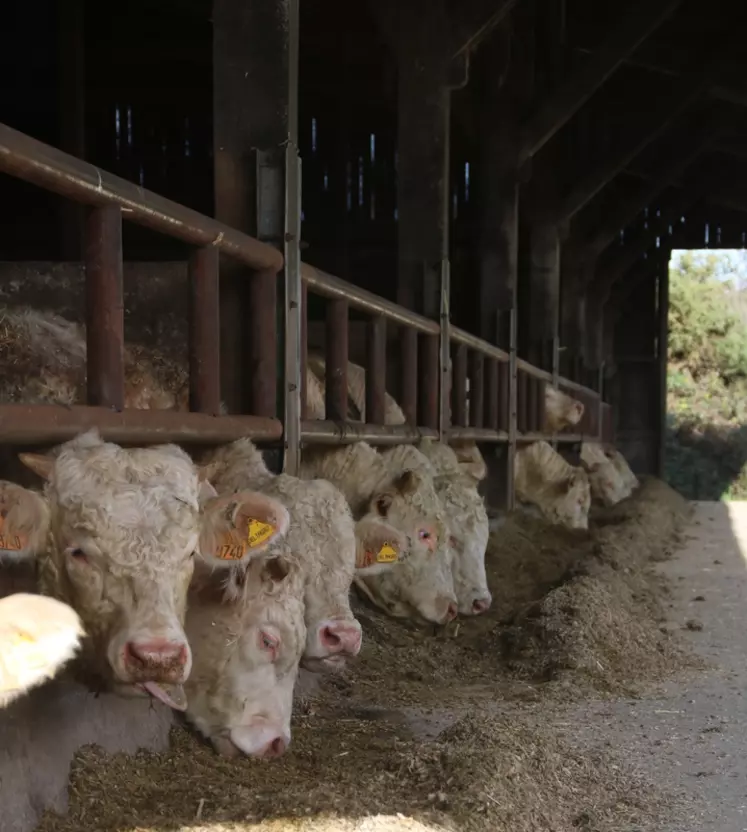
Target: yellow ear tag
{"x": 387, "y": 554}
{"x": 258, "y": 532}
{"x": 230, "y": 547}
{"x": 10, "y": 542}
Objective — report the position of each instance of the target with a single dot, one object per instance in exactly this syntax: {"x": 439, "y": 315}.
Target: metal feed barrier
{"x": 453, "y": 385}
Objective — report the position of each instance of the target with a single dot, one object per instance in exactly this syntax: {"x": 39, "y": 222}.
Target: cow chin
{"x": 324, "y": 664}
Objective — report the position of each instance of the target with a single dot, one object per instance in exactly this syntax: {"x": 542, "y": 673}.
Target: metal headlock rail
{"x": 504, "y": 402}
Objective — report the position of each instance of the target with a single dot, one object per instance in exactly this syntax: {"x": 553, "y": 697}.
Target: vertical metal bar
{"x": 512, "y": 415}
{"x": 429, "y": 375}
{"x": 105, "y": 307}
{"x": 662, "y": 356}
{"x": 504, "y": 383}
{"x": 262, "y": 343}
{"x": 336, "y": 347}
{"x": 539, "y": 413}
{"x": 295, "y": 308}
{"x": 408, "y": 394}
{"x": 555, "y": 361}
{"x": 492, "y": 395}
{"x": 445, "y": 379}
{"x": 204, "y": 331}
{"x": 376, "y": 371}
{"x": 522, "y": 398}
{"x": 600, "y": 402}
{"x": 304, "y": 350}
{"x": 459, "y": 386}
{"x": 476, "y": 389}
{"x": 294, "y": 312}
{"x": 531, "y": 404}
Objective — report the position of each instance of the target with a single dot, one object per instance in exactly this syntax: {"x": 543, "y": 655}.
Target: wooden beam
{"x": 478, "y": 18}
{"x": 250, "y": 116}
{"x": 685, "y": 92}
{"x": 420, "y": 32}
{"x": 623, "y": 39}
{"x": 626, "y": 211}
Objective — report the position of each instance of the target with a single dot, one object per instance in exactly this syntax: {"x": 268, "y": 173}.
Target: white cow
{"x": 560, "y": 491}
{"x": 622, "y": 467}
{"x": 468, "y": 454}
{"x": 607, "y": 485}
{"x": 38, "y": 635}
{"x": 121, "y": 528}
{"x": 381, "y": 487}
{"x": 468, "y": 526}
{"x": 561, "y": 410}
{"x": 325, "y": 537}
{"x": 247, "y": 635}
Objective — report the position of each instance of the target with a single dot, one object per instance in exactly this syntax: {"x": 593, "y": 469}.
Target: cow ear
{"x": 378, "y": 546}
{"x": 24, "y": 522}
{"x": 275, "y": 570}
{"x": 407, "y": 482}
{"x": 382, "y": 503}
{"x": 238, "y": 527}
{"x": 205, "y": 492}
{"x": 207, "y": 472}
{"x": 40, "y": 464}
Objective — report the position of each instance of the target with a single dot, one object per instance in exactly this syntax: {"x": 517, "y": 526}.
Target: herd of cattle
{"x": 209, "y": 584}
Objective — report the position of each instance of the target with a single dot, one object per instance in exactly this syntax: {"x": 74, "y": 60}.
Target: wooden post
{"x": 252, "y": 122}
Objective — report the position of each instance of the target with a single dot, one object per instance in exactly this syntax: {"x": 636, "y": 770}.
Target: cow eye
{"x": 268, "y": 643}
{"x": 424, "y": 534}
{"x": 76, "y": 553}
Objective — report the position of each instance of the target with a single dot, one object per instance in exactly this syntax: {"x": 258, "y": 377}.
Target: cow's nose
{"x": 451, "y": 612}
{"x": 274, "y": 748}
{"x": 338, "y": 637}
{"x": 481, "y": 605}
{"x": 156, "y": 654}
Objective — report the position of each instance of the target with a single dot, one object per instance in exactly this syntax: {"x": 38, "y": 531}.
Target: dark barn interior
{"x": 476, "y": 201}
{"x": 537, "y": 156}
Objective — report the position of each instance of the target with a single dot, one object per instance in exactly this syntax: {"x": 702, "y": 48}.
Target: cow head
{"x": 247, "y": 641}
{"x": 422, "y": 584}
{"x": 567, "y": 502}
{"x": 562, "y": 410}
{"x": 124, "y": 526}
{"x": 469, "y": 531}
{"x": 606, "y": 484}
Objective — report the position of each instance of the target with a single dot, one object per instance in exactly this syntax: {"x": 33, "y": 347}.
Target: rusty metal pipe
{"x": 492, "y": 395}
{"x": 204, "y": 331}
{"x": 476, "y": 390}
{"x": 459, "y": 387}
{"x": 51, "y": 169}
{"x": 104, "y": 307}
{"x": 336, "y": 361}
{"x": 37, "y": 424}
{"x": 376, "y": 372}
{"x": 429, "y": 378}
{"x": 262, "y": 344}
{"x": 345, "y": 433}
{"x": 333, "y": 287}
{"x": 408, "y": 393}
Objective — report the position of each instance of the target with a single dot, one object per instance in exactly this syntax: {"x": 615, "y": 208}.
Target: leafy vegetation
{"x": 706, "y": 454}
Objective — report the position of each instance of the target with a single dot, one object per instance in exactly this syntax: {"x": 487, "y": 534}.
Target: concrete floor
{"x": 693, "y": 739}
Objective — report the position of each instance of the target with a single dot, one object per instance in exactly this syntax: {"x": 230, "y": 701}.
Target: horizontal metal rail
{"x": 472, "y": 342}
{"x": 335, "y": 288}
{"x": 341, "y": 433}
{"x": 40, "y": 423}
{"x": 51, "y": 169}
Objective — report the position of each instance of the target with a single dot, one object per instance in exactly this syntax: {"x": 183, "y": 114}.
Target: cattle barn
{"x": 476, "y": 201}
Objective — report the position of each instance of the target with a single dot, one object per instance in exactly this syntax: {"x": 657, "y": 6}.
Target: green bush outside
{"x": 706, "y": 451}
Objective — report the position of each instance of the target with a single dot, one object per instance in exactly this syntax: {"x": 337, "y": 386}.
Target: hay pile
{"x": 483, "y": 773}
{"x": 457, "y": 729}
